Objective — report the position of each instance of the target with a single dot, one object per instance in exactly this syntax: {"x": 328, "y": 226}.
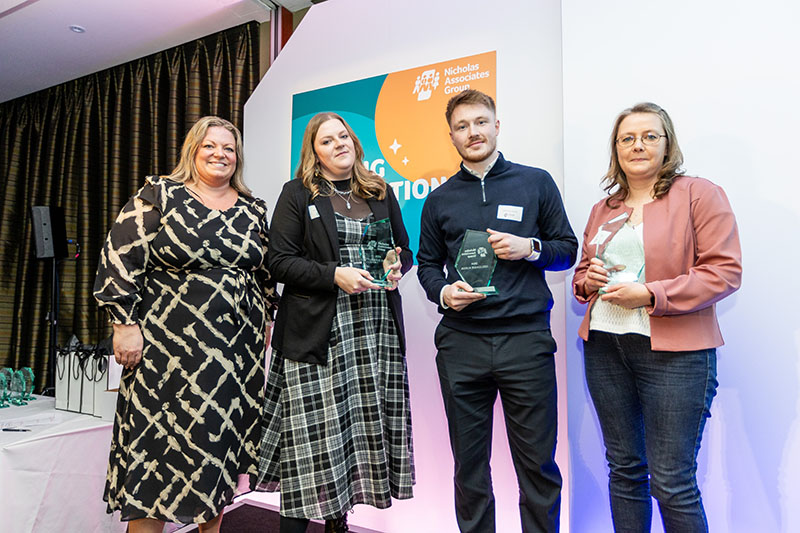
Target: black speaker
{"x": 49, "y": 231}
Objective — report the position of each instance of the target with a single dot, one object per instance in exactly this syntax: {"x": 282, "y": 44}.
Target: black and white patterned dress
{"x": 339, "y": 434}
{"x": 188, "y": 416}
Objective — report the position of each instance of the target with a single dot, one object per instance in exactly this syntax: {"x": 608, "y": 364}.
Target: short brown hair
{"x": 468, "y": 97}
{"x": 615, "y": 179}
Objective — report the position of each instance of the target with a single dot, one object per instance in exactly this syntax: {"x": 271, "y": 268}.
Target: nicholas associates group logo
{"x": 426, "y": 83}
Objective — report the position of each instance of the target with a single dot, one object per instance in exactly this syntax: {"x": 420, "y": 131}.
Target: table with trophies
{"x": 52, "y": 462}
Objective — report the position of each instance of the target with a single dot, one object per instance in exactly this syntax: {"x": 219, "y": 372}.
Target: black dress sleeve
{"x": 124, "y": 259}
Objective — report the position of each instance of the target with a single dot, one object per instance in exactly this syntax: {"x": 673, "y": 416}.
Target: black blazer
{"x": 303, "y": 255}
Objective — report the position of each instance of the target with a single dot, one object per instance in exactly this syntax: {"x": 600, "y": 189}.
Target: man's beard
{"x": 472, "y": 157}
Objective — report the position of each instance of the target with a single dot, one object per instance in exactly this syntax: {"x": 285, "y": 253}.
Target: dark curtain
{"x": 86, "y": 145}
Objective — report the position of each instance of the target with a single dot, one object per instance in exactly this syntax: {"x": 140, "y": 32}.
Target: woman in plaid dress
{"x": 337, "y": 418}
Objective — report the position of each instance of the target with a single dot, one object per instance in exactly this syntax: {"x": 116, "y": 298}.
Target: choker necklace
{"x": 345, "y": 197}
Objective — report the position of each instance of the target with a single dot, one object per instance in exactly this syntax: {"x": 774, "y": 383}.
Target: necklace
{"x": 217, "y": 203}
{"x": 345, "y": 197}
{"x": 197, "y": 195}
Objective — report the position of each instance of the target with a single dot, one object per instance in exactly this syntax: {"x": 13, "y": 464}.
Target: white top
{"x": 625, "y": 248}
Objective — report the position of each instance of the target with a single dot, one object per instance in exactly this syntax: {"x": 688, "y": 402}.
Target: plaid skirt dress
{"x": 337, "y": 435}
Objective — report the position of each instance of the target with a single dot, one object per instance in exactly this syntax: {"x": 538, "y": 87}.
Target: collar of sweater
{"x": 499, "y": 166}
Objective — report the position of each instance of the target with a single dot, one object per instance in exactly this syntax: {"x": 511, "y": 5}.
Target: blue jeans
{"x": 652, "y": 407}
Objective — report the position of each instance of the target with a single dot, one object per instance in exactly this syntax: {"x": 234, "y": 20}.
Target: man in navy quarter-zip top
{"x": 501, "y": 342}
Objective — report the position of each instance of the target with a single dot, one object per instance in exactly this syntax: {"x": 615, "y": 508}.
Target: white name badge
{"x": 601, "y": 237}
{"x": 312, "y": 212}
{"x": 509, "y": 212}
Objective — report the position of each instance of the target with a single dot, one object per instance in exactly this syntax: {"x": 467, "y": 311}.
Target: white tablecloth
{"x": 52, "y": 477}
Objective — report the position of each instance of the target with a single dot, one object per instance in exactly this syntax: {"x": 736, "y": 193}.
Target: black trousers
{"x": 473, "y": 368}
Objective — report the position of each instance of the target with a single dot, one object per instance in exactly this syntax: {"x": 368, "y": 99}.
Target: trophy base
{"x": 488, "y": 291}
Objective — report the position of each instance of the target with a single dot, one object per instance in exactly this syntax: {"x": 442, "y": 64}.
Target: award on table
{"x": 620, "y": 269}
{"x": 27, "y": 373}
{"x": 377, "y": 251}
{"x": 18, "y": 388}
{"x": 3, "y": 390}
{"x": 476, "y": 261}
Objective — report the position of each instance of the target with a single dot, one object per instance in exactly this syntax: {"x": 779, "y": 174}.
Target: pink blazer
{"x": 692, "y": 260}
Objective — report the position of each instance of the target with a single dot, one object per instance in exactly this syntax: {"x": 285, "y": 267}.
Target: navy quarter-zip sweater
{"x": 463, "y": 202}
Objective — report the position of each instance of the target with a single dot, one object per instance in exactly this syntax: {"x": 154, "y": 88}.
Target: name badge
{"x": 509, "y": 212}
{"x": 312, "y": 212}
{"x": 601, "y": 237}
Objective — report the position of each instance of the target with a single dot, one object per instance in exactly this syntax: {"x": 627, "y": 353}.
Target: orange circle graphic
{"x": 409, "y": 116}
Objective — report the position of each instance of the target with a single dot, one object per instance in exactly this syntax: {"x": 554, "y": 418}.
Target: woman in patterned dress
{"x": 337, "y": 418}
{"x": 183, "y": 278}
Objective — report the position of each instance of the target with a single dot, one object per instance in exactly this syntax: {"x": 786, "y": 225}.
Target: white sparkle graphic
{"x": 395, "y": 146}
{"x": 405, "y": 160}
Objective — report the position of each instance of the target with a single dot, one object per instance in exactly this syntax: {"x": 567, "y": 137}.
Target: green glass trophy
{"x": 18, "y": 388}
{"x": 617, "y": 255}
{"x": 377, "y": 251}
{"x": 3, "y": 390}
{"x": 6, "y": 375}
{"x": 476, "y": 261}
{"x": 27, "y": 373}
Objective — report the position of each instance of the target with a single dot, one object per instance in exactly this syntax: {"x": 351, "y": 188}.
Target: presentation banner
{"x": 399, "y": 119}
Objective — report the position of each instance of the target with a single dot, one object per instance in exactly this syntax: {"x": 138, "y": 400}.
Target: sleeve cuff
{"x": 658, "y": 299}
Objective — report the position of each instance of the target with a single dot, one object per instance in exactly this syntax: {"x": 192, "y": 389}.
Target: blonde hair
{"x": 366, "y": 184}
{"x": 670, "y": 168}
{"x": 186, "y": 169}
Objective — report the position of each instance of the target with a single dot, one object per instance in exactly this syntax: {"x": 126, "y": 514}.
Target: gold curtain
{"x": 86, "y": 145}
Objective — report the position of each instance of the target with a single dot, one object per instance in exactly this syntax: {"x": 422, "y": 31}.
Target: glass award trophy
{"x": 6, "y": 374}
{"x": 476, "y": 261}
{"x": 617, "y": 254}
{"x": 3, "y": 390}
{"x": 27, "y": 373}
{"x": 18, "y": 388}
{"x": 377, "y": 251}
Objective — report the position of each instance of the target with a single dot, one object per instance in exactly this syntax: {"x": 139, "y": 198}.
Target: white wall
{"x": 344, "y": 40}
{"x": 727, "y": 72}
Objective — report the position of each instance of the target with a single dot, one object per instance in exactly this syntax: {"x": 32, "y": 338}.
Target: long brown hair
{"x": 366, "y": 184}
{"x": 186, "y": 170}
{"x": 616, "y": 183}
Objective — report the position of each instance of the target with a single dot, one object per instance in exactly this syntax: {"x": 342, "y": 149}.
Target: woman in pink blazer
{"x": 658, "y": 253}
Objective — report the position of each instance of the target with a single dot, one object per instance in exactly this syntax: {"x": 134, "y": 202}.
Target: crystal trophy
{"x": 27, "y": 373}
{"x": 476, "y": 261}
{"x": 377, "y": 251}
{"x": 6, "y": 374}
{"x": 616, "y": 257}
{"x": 18, "y": 388}
{"x": 3, "y": 390}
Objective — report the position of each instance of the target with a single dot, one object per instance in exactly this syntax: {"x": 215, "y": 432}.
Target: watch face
{"x": 536, "y": 245}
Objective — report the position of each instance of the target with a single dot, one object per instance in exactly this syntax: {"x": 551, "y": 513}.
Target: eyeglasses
{"x": 650, "y": 138}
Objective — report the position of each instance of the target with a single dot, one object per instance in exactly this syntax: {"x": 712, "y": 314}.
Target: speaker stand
{"x": 52, "y": 318}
